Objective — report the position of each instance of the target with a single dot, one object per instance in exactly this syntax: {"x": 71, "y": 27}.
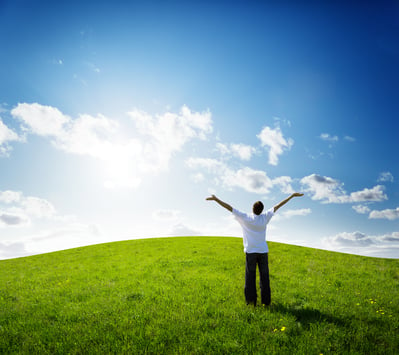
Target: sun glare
{"x": 120, "y": 170}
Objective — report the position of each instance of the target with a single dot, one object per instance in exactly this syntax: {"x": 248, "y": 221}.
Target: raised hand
{"x": 297, "y": 194}
{"x": 282, "y": 203}
{"x": 220, "y": 202}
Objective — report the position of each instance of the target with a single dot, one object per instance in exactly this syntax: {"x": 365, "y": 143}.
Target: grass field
{"x": 185, "y": 296}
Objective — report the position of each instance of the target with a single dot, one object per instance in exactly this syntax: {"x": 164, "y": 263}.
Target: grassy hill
{"x": 185, "y": 295}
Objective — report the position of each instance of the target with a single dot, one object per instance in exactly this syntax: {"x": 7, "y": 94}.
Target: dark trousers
{"x": 260, "y": 259}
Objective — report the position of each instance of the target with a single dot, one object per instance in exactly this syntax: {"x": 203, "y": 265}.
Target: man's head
{"x": 257, "y": 208}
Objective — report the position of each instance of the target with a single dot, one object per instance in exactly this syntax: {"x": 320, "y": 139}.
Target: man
{"x": 255, "y": 246}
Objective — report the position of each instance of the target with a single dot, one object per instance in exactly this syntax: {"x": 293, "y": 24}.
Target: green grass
{"x": 185, "y": 296}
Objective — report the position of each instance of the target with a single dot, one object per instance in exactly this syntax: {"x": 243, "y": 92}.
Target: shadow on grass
{"x": 307, "y": 316}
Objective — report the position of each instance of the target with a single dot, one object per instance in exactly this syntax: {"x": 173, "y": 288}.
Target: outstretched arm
{"x": 282, "y": 203}
{"x": 220, "y": 202}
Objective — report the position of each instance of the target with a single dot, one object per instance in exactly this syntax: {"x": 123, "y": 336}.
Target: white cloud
{"x": 393, "y": 237}
{"x": 197, "y": 178}
{"x": 386, "y": 245}
{"x": 9, "y": 196}
{"x": 390, "y": 214}
{"x": 20, "y": 210}
{"x": 354, "y": 239}
{"x": 242, "y": 151}
{"x": 88, "y": 135}
{"x": 40, "y": 120}
{"x": 248, "y": 179}
{"x": 127, "y": 158}
{"x": 374, "y": 194}
{"x": 385, "y": 176}
{"x": 201, "y": 121}
{"x": 38, "y": 207}
{"x": 276, "y": 143}
{"x": 164, "y": 135}
{"x": 6, "y": 134}
{"x": 223, "y": 148}
{"x": 330, "y": 190}
{"x": 361, "y": 209}
{"x": 327, "y": 137}
{"x": 284, "y": 182}
{"x": 322, "y": 188}
{"x": 170, "y": 131}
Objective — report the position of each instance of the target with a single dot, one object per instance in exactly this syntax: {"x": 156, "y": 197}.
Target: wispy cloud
{"x": 275, "y": 142}
{"x": 297, "y": 212}
{"x": 287, "y": 214}
{"x": 94, "y": 68}
{"x": 349, "y": 139}
{"x": 166, "y": 215}
{"x": 361, "y": 209}
{"x": 181, "y": 229}
{"x": 47, "y": 240}
{"x": 239, "y": 150}
{"x": 385, "y": 176}
{"x": 332, "y": 140}
{"x": 12, "y": 250}
{"x": 6, "y": 135}
{"x": 327, "y": 137}
{"x": 37, "y": 207}
{"x": 211, "y": 165}
{"x": 329, "y": 190}
{"x": 3, "y": 107}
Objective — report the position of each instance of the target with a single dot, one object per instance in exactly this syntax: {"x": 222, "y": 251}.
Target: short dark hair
{"x": 257, "y": 208}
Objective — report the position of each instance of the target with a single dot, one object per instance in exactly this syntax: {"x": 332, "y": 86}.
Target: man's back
{"x": 254, "y": 230}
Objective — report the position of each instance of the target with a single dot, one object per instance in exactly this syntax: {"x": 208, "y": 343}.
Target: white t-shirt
{"x": 254, "y": 230}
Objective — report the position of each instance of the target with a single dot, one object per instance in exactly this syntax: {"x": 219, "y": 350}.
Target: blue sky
{"x": 119, "y": 118}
